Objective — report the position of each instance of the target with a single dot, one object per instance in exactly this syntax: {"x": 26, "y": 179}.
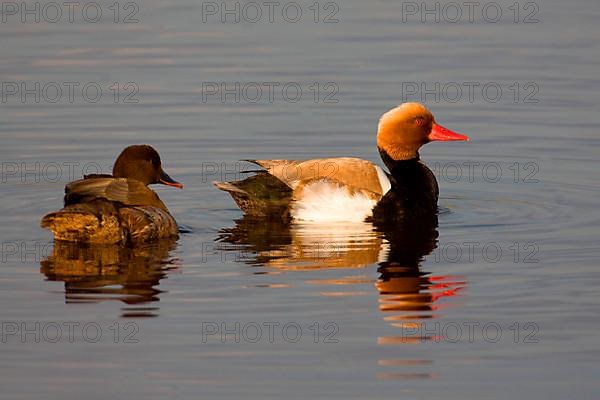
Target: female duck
{"x": 117, "y": 208}
{"x": 352, "y": 189}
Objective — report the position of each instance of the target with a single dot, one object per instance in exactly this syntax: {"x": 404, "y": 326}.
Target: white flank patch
{"x": 384, "y": 181}
{"x": 329, "y": 202}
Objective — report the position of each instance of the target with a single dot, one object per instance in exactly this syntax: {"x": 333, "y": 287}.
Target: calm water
{"x": 499, "y": 301}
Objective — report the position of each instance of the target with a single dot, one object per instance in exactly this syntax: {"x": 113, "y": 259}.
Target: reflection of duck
{"x": 95, "y": 273}
{"x": 402, "y": 285}
{"x": 407, "y": 294}
{"x": 274, "y": 243}
{"x": 398, "y": 249}
{"x": 117, "y": 208}
{"x": 351, "y": 189}
{"x": 302, "y": 247}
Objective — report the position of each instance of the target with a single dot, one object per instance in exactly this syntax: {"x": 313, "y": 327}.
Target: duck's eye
{"x": 420, "y": 121}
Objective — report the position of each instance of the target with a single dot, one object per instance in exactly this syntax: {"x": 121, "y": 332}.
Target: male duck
{"x": 352, "y": 189}
{"x": 117, "y": 208}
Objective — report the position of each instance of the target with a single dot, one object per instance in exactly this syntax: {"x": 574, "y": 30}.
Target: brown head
{"x": 142, "y": 162}
{"x": 404, "y": 129}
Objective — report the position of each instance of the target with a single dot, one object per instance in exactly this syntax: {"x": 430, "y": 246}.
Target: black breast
{"x": 414, "y": 192}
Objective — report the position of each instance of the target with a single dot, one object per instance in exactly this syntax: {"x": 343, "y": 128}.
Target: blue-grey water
{"x": 499, "y": 302}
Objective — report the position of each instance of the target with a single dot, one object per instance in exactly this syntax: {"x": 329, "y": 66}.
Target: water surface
{"x": 381, "y": 314}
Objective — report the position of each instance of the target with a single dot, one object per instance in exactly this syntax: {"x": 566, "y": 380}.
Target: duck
{"x": 348, "y": 189}
{"x": 119, "y": 208}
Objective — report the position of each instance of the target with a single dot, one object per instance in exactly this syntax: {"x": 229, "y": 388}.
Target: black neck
{"x": 411, "y": 177}
{"x": 396, "y": 166}
{"x": 414, "y": 193}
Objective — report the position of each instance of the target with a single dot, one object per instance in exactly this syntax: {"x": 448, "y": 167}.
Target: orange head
{"x": 404, "y": 129}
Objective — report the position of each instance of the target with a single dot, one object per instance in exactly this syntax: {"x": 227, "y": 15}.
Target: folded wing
{"x": 129, "y": 192}
{"x": 354, "y": 173}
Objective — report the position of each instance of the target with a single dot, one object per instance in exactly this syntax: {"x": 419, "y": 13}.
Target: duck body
{"x": 108, "y": 209}
{"x": 326, "y": 189}
{"x": 351, "y": 189}
{"x": 335, "y": 189}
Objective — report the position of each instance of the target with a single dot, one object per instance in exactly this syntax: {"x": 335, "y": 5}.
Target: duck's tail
{"x": 261, "y": 195}
{"x": 76, "y": 224}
